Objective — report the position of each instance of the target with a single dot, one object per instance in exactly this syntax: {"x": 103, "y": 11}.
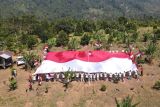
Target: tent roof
{"x": 5, "y": 56}
{"x": 6, "y": 52}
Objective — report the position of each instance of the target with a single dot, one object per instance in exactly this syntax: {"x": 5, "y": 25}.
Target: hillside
{"x": 80, "y": 8}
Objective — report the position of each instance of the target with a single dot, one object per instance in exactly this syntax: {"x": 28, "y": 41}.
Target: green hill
{"x": 80, "y": 8}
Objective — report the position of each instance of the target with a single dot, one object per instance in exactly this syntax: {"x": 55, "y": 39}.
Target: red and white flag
{"x": 92, "y": 62}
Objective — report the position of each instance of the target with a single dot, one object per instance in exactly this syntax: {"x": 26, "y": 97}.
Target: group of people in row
{"x": 87, "y": 77}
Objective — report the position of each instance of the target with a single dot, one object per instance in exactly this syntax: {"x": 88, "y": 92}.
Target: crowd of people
{"x": 88, "y": 77}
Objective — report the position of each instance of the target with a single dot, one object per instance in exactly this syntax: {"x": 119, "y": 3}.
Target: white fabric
{"x": 112, "y": 65}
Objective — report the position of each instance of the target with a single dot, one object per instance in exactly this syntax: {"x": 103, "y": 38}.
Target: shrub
{"x": 51, "y": 42}
{"x": 62, "y": 39}
{"x": 126, "y": 102}
{"x": 146, "y": 37}
{"x": 73, "y": 44}
{"x": 68, "y": 78}
{"x": 103, "y": 88}
{"x": 78, "y": 29}
{"x": 151, "y": 49}
{"x": 13, "y": 84}
{"x": 29, "y": 60}
{"x": 85, "y": 40}
{"x": 29, "y": 40}
{"x": 156, "y": 85}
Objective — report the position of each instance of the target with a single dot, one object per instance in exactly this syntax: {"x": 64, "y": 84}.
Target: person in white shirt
{"x": 33, "y": 78}
{"x": 105, "y": 76}
{"x": 110, "y": 77}
{"x": 97, "y": 75}
{"x": 57, "y": 76}
{"x": 77, "y": 77}
{"x": 136, "y": 75}
{"x": 82, "y": 77}
{"x": 47, "y": 77}
{"x": 90, "y": 77}
{"x": 94, "y": 77}
{"x": 101, "y": 76}
{"x": 63, "y": 77}
{"x": 86, "y": 77}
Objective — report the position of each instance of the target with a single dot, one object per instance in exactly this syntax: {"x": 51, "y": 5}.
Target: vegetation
{"x": 126, "y": 102}
{"x": 85, "y": 39}
{"x": 156, "y": 85}
{"x": 26, "y": 32}
{"x": 73, "y": 44}
{"x": 62, "y": 39}
{"x": 80, "y": 9}
{"x": 29, "y": 59}
{"x": 69, "y": 77}
{"x": 103, "y": 88}
{"x": 13, "y": 84}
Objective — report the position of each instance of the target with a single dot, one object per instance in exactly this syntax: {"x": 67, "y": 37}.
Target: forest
{"x": 18, "y": 34}
{"x": 87, "y": 9}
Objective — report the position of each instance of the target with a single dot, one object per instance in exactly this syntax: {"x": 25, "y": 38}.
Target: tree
{"x": 68, "y": 78}
{"x": 88, "y": 26}
{"x": 65, "y": 24}
{"x": 28, "y": 40}
{"x": 131, "y": 27}
{"x": 10, "y": 43}
{"x": 51, "y": 42}
{"x": 122, "y": 20}
{"x": 73, "y": 44}
{"x": 126, "y": 102}
{"x": 100, "y": 40}
{"x": 62, "y": 39}
{"x": 79, "y": 29}
{"x": 85, "y": 39}
{"x": 29, "y": 59}
{"x": 151, "y": 49}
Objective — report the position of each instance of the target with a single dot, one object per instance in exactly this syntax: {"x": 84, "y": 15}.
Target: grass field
{"x": 80, "y": 94}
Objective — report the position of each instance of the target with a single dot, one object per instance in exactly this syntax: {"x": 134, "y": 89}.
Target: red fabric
{"x": 94, "y": 56}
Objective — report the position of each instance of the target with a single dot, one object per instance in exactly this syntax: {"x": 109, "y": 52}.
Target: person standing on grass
{"x": 94, "y": 77}
{"x": 82, "y": 77}
{"x": 129, "y": 75}
{"x": 90, "y": 77}
{"x": 86, "y": 77}
{"x": 141, "y": 70}
{"x": 97, "y": 75}
{"x": 33, "y": 78}
{"x": 137, "y": 75}
{"x": 77, "y": 77}
{"x": 100, "y": 76}
{"x": 123, "y": 76}
{"x": 39, "y": 80}
{"x": 13, "y": 72}
{"x": 110, "y": 77}
{"x": 105, "y": 76}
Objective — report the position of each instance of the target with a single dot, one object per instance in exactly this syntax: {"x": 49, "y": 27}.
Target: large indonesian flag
{"x": 86, "y": 61}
